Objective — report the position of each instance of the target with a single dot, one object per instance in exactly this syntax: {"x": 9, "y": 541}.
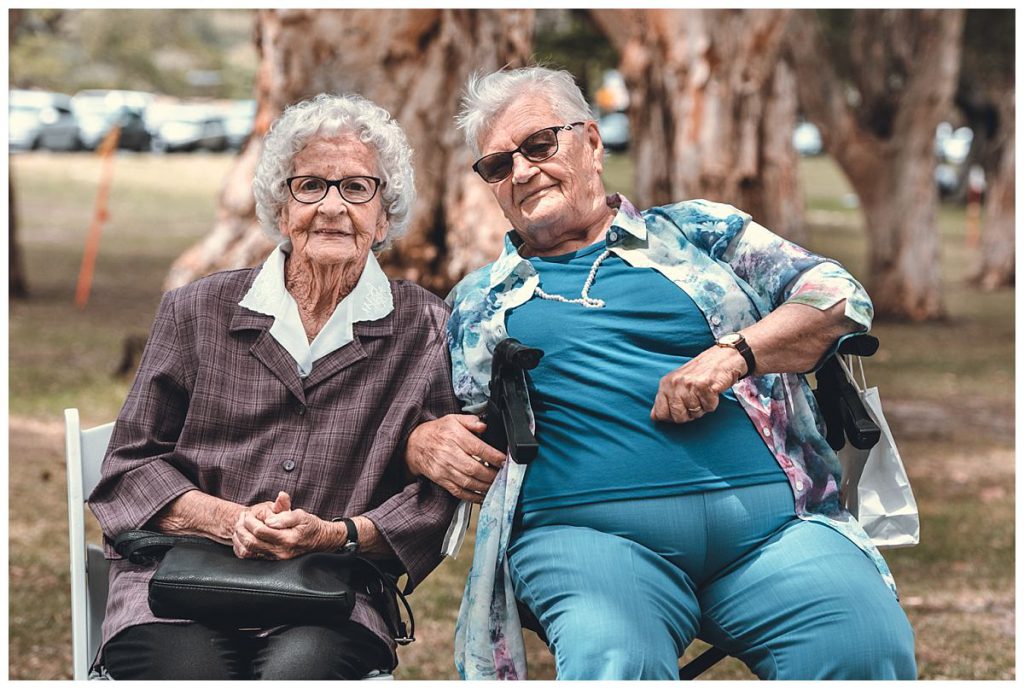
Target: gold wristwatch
{"x": 739, "y": 343}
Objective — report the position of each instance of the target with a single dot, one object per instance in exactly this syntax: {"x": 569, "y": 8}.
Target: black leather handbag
{"x": 199, "y": 579}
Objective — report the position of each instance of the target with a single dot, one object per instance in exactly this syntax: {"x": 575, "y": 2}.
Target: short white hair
{"x": 487, "y": 95}
{"x": 328, "y": 115}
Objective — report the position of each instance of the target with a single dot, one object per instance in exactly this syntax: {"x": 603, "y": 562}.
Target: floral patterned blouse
{"x": 736, "y": 271}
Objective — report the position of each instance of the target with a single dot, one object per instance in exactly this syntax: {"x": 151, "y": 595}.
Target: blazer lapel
{"x": 351, "y": 353}
{"x": 268, "y": 352}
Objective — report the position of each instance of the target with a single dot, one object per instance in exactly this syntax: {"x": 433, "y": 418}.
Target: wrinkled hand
{"x": 692, "y": 390}
{"x": 274, "y": 531}
{"x": 443, "y": 450}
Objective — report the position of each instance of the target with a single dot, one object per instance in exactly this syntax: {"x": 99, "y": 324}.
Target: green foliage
{"x": 151, "y": 50}
{"x": 989, "y": 55}
{"x": 835, "y": 28}
{"x": 568, "y": 39}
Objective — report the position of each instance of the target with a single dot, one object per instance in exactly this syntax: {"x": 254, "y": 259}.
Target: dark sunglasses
{"x": 537, "y": 147}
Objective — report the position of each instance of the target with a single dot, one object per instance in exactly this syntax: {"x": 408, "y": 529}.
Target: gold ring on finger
{"x": 483, "y": 461}
{"x": 694, "y": 411}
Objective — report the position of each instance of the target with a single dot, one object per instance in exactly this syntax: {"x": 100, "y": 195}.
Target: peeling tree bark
{"x": 996, "y": 266}
{"x": 707, "y": 87}
{"x": 905, "y": 65}
{"x": 414, "y": 63}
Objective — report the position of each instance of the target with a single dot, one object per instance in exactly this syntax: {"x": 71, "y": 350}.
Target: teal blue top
{"x": 593, "y": 391}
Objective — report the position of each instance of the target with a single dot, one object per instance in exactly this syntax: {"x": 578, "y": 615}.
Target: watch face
{"x": 730, "y": 339}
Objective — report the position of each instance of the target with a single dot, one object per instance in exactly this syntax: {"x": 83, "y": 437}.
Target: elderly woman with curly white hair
{"x": 273, "y": 406}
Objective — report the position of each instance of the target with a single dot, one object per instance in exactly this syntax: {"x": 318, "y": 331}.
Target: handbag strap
{"x": 400, "y": 632}
{"x": 142, "y": 547}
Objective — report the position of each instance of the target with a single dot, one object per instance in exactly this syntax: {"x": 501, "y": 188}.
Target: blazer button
{"x": 300, "y": 410}
{"x": 288, "y": 464}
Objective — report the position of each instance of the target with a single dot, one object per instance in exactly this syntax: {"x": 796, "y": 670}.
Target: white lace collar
{"x": 369, "y": 300}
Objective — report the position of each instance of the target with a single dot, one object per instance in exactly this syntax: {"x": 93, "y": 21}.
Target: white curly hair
{"x": 329, "y": 115}
{"x": 487, "y": 95}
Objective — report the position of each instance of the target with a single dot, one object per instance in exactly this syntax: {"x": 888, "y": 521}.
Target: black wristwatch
{"x": 352, "y": 544}
{"x": 739, "y": 343}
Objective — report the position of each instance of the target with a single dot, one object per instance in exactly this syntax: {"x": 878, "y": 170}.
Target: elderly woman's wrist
{"x": 414, "y": 453}
{"x": 333, "y": 535}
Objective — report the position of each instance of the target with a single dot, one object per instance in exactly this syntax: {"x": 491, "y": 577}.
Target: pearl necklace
{"x": 584, "y": 299}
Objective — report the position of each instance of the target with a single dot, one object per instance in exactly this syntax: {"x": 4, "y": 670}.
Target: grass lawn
{"x": 948, "y": 389}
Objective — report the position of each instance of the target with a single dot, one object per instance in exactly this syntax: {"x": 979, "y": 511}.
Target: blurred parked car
{"x": 807, "y": 139}
{"x": 40, "y": 119}
{"x": 952, "y": 147}
{"x": 612, "y": 96}
{"x": 238, "y": 122}
{"x": 98, "y": 110}
{"x": 614, "y": 128}
{"x": 186, "y": 128}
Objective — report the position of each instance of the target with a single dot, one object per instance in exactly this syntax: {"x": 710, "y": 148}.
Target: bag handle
{"x": 147, "y": 547}
{"x": 846, "y": 362}
{"x": 402, "y": 634}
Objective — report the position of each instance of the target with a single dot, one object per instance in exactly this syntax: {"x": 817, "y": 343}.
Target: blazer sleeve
{"x": 138, "y": 477}
{"x": 414, "y": 521}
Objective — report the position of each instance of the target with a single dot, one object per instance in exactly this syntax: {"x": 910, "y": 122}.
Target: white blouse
{"x": 369, "y": 300}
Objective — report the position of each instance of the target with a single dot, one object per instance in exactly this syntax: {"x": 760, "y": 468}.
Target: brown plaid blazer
{"x": 218, "y": 405}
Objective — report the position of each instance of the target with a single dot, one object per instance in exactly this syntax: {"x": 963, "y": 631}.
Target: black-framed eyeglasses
{"x": 312, "y": 189}
{"x": 537, "y": 147}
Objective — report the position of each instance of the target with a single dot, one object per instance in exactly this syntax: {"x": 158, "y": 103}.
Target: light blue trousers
{"x": 622, "y": 588}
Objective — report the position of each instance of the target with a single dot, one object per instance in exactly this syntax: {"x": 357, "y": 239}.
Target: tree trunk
{"x": 414, "y": 63}
{"x": 996, "y": 266}
{"x": 707, "y": 87}
{"x": 902, "y": 73}
{"x": 17, "y": 285}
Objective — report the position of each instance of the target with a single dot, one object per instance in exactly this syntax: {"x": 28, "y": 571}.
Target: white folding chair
{"x": 84, "y": 451}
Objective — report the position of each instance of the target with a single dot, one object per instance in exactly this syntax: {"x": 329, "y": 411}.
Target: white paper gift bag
{"x": 883, "y": 501}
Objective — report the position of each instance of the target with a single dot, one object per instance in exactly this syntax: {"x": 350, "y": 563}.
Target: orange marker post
{"x": 92, "y": 243}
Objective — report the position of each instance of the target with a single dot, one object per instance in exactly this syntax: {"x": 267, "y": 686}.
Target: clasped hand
{"x": 274, "y": 531}
{"x": 692, "y": 390}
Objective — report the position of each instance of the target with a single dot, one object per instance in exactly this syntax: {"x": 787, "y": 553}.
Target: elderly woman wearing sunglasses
{"x": 683, "y": 487}
{"x": 272, "y": 407}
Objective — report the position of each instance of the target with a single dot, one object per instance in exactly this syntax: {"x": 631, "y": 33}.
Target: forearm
{"x": 198, "y": 514}
{"x": 794, "y": 337}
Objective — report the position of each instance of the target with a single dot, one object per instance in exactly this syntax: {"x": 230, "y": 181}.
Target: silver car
{"x": 186, "y": 127}
{"x": 42, "y": 120}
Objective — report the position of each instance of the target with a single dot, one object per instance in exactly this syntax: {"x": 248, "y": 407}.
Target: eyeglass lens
{"x": 314, "y": 189}
{"x": 537, "y": 147}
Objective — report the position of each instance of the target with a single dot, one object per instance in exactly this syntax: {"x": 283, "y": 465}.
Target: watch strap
{"x": 741, "y": 346}
{"x": 351, "y": 535}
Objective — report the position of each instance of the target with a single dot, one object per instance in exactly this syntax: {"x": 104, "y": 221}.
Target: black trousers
{"x": 196, "y": 651}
